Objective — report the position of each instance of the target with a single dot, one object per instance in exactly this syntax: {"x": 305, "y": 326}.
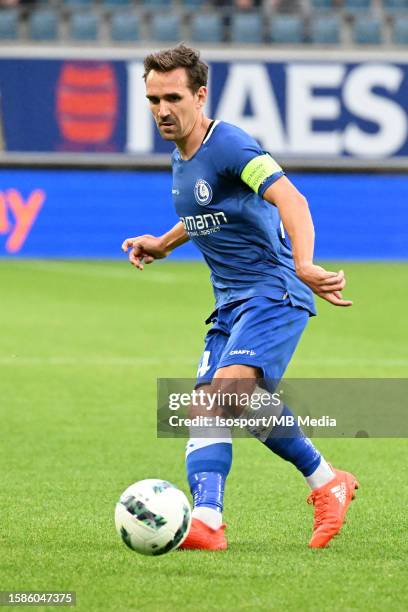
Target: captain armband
{"x": 258, "y": 170}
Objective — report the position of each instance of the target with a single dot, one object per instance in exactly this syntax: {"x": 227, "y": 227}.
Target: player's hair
{"x": 179, "y": 57}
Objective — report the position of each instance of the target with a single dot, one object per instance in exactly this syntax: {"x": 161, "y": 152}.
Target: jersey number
{"x": 282, "y": 229}
{"x": 204, "y": 365}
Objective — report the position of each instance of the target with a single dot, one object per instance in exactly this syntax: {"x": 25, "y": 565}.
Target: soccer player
{"x": 236, "y": 204}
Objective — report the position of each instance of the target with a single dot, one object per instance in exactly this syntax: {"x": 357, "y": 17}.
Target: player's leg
{"x": 269, "y": 331}
{"x": 208, "y": 462}
{"x": 208, "y": 458}
{"x": 288, "y": 441}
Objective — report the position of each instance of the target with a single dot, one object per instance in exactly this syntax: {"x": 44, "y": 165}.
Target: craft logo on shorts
{"x": 202, "y": 192}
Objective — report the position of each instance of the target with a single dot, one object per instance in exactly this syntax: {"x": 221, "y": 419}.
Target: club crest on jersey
{"x": 202, "y": 192}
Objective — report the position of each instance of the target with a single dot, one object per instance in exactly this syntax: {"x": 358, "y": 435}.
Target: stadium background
{"x": 83, "y": 341}
{"x": 78, "y": 118}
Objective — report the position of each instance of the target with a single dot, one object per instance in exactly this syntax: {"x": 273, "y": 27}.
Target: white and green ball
{"x": 152, "y": 517}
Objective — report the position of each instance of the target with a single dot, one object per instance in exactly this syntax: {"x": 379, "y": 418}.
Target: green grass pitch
{"x": 81, "y": 347}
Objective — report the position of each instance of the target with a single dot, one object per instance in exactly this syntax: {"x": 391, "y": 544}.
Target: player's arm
{"x": 297, "y": 221}
{"x": 147, "y": 248}
{"x": 266, "y": 178}
{"x": 242, "y": 156}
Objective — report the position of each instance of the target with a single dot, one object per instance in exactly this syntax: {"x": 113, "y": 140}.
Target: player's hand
{"x": 325, "y": 284}
{"x": 144, "y": 250}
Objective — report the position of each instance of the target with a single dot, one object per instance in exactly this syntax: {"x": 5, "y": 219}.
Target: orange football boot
{"x": 203, "y": 537}
{"x": 330, "y": 506}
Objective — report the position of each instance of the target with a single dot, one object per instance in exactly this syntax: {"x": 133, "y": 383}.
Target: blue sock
{"x": 290, "y": 443}
{"x": 207, "y": 470}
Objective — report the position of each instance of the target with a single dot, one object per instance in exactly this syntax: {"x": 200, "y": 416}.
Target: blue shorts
{"x": 259, "y": 332}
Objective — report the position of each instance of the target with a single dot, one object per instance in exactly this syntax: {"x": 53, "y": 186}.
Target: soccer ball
{"x": 152, "y": 517}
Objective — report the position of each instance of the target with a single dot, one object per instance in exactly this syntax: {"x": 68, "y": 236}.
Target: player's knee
{"x": 199, "y": 405}
{"x": 228, "y": 393}
{"x": 232, "y": 385}
{"x": 237, "y": 371}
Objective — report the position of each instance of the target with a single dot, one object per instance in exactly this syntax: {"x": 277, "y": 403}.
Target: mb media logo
{"x": 202, "y": 192}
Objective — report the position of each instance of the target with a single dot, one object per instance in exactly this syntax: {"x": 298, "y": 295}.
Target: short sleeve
{"x": 239, "y": 155}
{"x": 261, "y": 172}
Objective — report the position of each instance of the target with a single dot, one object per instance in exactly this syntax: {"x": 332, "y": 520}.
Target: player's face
{"x": 174, "y": 106}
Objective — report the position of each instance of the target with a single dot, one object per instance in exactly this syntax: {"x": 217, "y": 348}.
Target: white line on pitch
{"x": 355, "y": 361}
{"x": 91, "y": 361}
{"x": 140, "y": 361}
{"x": 124, "y": 273}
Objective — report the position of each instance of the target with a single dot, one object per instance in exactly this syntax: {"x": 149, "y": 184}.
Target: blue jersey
{"x": 239, "y": 234}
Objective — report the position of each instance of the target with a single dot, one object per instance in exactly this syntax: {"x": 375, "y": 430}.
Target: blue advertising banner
{"x": 72, "y": 213}
{"x": 304, "y": 109}
{"x": 298, "y": 108}
{"x": 63, "y": 106}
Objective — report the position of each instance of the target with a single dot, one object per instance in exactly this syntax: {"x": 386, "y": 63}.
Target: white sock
{"x": 209, "y": 516}
{"x": 321, "y": 476}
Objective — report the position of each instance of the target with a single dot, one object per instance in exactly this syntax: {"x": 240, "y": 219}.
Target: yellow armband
{"x": 258, "y": 170}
